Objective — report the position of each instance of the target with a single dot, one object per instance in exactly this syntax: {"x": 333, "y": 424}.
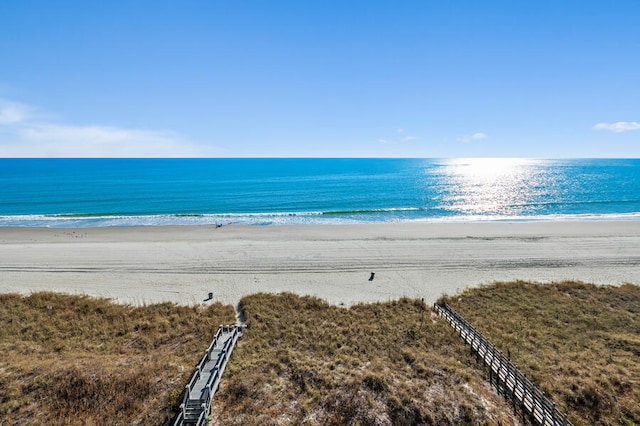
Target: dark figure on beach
{"x": 372, "y": 275}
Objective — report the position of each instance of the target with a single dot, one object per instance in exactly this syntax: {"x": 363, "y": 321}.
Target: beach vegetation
{"x": 303, "y": 361}
{"x": 579, "y": 343}
{"x": 78, "y": 360}
{"x": 72, "y": 360}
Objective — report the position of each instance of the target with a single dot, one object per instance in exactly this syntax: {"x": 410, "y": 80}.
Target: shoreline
{"x": 184, "y": 263}
{"x": 82, "y": 221}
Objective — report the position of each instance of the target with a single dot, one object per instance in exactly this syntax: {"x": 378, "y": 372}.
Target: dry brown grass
{"x": 577, "y": 342}
{"x": 302, "y": 361}
{"x": 77, "y": 360}
{"x": 74, "y": 360}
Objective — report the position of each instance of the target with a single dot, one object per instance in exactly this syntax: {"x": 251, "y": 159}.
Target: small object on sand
{"x": 210, "y": 296}
{"x": 372, "y": 275}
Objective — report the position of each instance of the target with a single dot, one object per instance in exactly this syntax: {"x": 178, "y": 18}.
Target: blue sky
{"x": 324, "y": 78}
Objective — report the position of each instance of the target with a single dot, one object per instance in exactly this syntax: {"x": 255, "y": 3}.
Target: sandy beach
{"x": 183, "y": 264}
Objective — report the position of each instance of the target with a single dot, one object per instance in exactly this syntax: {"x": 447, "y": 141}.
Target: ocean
{"x": 129, "y": 192}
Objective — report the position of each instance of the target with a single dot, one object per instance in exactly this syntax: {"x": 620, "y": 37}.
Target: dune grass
{"x": 71, "y": 360}
{"x": 76, "y": 360}
{"x": 579, "y": 343}
{"x": 302, "y": 361}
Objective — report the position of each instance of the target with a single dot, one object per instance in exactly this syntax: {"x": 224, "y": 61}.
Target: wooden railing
{"x": 203, "y": 404}
{"x": 505, "y": 375}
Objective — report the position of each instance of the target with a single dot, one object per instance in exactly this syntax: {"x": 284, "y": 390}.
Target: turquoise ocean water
{"x": 126, "y": 192}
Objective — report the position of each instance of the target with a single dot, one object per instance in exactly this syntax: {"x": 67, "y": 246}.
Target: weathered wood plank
{"x": 204, "y": 383}
{"x": 507, "y": 376}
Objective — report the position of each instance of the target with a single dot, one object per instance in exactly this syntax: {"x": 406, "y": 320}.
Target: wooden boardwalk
{"x": 204, "y": 383}
{"x": 506, "y": 376}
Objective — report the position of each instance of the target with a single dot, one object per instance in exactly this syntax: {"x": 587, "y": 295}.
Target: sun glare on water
{"x": 498, "y": 186}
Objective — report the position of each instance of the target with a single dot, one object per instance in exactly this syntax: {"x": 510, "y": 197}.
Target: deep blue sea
{"x": 126, "y": 192}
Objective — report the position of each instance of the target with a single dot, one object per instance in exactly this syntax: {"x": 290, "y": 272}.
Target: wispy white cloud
{"x": 618, "y": 127}
{"x": 398, "y": 139}
{"x": 474, "y": 137}
{"x": 21, "y": 135}
{"x": 99, "y": 141}
{"x": 13, "y": 112}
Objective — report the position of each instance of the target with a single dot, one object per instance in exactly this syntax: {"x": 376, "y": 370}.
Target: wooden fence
{"x": 505, "y": 375}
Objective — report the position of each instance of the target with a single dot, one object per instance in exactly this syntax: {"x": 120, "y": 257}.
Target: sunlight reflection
{"x": 491, "y": 185}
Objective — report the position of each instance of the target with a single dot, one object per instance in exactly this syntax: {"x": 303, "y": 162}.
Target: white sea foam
{"x": 280, "y": 218}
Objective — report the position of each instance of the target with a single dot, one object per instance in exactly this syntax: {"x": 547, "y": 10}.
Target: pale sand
{"x": 424, "y": 260}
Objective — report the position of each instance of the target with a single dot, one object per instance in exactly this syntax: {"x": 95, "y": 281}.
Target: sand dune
{"x": 184, "y": 263}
